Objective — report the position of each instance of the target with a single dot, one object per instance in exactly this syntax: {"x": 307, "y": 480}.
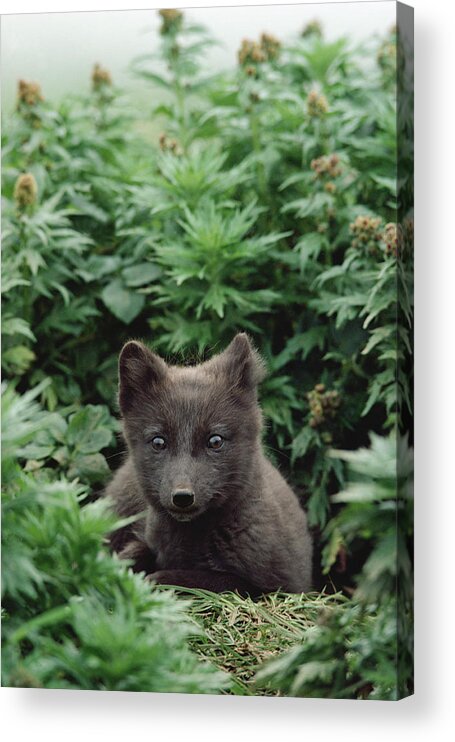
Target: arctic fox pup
{"x": 217, "y": 514}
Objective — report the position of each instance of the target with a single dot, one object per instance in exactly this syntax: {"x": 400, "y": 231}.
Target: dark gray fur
{"x": 246, "y": 530}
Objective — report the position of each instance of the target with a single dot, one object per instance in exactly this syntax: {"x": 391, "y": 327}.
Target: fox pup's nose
{"x": 183, "y": 498}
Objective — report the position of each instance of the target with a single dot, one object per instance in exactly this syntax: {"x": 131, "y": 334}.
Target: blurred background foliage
{"x": 268, "y": 204}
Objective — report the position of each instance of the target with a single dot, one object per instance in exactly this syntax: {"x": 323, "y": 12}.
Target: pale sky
{"x": 58, "y": 50}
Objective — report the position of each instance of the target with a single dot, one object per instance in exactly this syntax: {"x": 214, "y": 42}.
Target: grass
{"x": 241, "y": 634}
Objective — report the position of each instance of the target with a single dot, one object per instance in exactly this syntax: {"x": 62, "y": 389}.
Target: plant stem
{"x": 256, "y": 138}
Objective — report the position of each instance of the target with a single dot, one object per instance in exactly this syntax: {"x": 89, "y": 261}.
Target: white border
{"x": 68, "y": 716}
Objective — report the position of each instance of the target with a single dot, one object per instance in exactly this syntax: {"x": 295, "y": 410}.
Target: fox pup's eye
{"x": 215, "y": 442}
{"x": 158, "y": 443}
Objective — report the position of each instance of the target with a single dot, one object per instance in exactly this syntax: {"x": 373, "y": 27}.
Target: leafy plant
{"x": 73, "y": 615}
{"x": 264, "y": 199}
{"x": 352, "y": 652}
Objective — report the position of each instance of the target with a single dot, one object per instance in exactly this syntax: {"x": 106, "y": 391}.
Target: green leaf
{"x": 309, "y": 246}
{"x": 123, "y": 303}
{"x": 87, "y": 207}
{"x": 374, "y": 395}
{"x": 18, "y": 359}
{"x": 162, "y": 82}
{"x": 377, "y": 336}
{"x": 91, "y": 468}
{"x": 17, "y": 326}
{"x": 87, "y": 429}
{"x": 141, "y": 274}
{"x": 322, "y": 56}
{"x": 331, "y": 549}
{"x": 389, "y": 183}
{"x": 302, "y": 442}
{"x": 309, "y": 206}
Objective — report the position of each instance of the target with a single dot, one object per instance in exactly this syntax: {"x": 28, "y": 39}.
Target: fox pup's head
{"x": 192, "y": 431}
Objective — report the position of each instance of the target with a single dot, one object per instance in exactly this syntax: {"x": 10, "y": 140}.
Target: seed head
{"x": 171, "y": 21}
{"x": 313, "y": 28}
{"x": 317, "y": 104}
{"x": 101, "y": 78}
{"x": 167, "y": 144}
{"x": 323, "y": 405}
{"x": 329, "y": 166}
{"x": 393, "y": 239}
{"x": 270, "y": 45}
{"x": 252, "y": 53}
{"x": 366, "y": 233}
{"x": 28, "y": 94}
{"x": 25, "y": 191}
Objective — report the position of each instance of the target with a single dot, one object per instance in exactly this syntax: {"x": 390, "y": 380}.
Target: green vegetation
{"x": 269, "y": 204}
{"x": 74, "y": 616}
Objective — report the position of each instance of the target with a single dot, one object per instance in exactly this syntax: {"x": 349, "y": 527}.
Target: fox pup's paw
{"x": 176, "y": 577}
{"x": 143, "y": 559}
{"x": 216, "y": 582}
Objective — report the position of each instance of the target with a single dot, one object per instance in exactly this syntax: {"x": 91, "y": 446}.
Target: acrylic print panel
{"x": 207, "y": 350}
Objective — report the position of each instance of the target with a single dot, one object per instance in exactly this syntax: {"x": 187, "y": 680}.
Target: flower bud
{"x": 317, "y": 104}
{"x": 270, "y": 45}
{"x": 252, "y": 53}
{"x": 329, "y": 166}
{"x": 28, "y": 94}
{"x": 323, "y": 405}
{"x": 168, "y": 144}
{"x": 393, "y": 239}
{"x": 25, "y": 191}
{"x": 101, "y": 78}
{"x": 171, "y": 21}
{"x": 313, "y": 28}
{"x": 366, "y": 232}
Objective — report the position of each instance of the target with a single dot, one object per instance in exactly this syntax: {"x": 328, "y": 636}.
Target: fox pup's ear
{"x": 139, "y": 369}
{"x": 241, "y": 363}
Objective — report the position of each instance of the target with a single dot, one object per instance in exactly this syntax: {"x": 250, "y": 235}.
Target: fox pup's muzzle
{"x": 183, "y": 499}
